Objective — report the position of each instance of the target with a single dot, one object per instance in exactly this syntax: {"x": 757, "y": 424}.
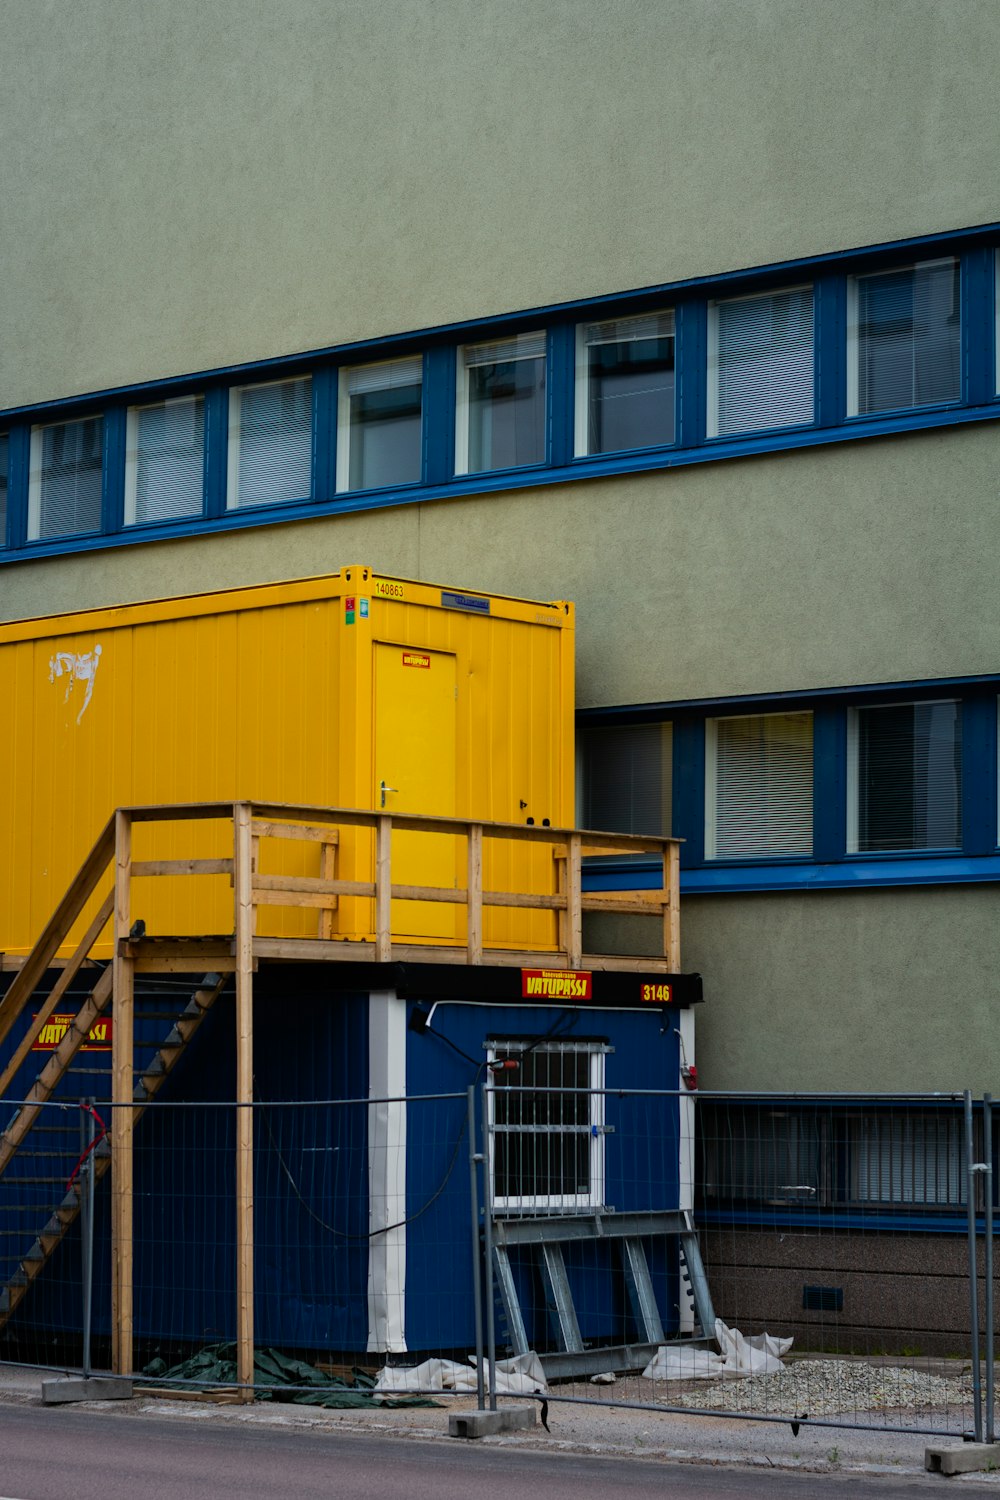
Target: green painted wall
{"x": 876, "y": 990}
{"x": 191, "y": 184}
{"x": 863, "y": 562}
{"x": 879, "y": 990}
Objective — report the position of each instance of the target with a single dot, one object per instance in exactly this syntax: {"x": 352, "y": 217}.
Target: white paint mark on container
{"x": 77, "y": 668}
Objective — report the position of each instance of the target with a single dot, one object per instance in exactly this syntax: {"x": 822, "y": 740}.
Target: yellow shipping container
{"x": 349, "y": 690}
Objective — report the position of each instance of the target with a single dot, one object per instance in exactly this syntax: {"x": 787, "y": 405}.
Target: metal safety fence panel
{"x": 53, "y": 1224}
{"x": 839, "y": 1272}
{"x": 360, "y": 1239}
{"x": 816, "y": 1260}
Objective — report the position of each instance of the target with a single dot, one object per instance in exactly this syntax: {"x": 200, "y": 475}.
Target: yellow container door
{"x": 414, "y": 763}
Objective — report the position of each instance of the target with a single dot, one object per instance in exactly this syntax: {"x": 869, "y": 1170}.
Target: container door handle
{"x": 385, "y": 787}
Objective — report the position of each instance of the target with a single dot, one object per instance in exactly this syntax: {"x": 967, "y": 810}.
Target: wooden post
{"x": 327, "y": 871}
{"x": 574, "y": 905}
{"x": 122, "y": 1095}
{"x": 243, "y": 885}
{"x": 383, "y": 889}
{"x": 672, "y": 911}
{"x": 474, "y": 896}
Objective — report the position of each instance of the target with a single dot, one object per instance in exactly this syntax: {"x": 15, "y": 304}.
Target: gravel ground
{"x": 830, "y": 1387}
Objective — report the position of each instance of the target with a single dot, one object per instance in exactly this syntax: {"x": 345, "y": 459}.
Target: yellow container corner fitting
{"x": 354, "y": 689}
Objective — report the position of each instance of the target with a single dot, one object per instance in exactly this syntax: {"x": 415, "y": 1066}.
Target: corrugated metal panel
{"x": 267, "y": 693}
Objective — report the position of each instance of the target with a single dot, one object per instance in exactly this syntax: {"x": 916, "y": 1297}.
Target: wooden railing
{"x": 239, "y": 950}
{"x": 253, "y": 824}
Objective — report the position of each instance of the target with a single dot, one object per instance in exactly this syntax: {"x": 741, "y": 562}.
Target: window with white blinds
{"x": 4, "y": 484}
{"x": 626, "y": 778}
{"x": 904, "y": 337}
{"x": 907, "y": 1159}
{"x": 270, "y": 443}
{"x": 625, "y": 383}
{"x": 379, "y": 432}
{"x": 759, "y": 786}
{"x": 761, "y": 362}
{"x": 164, "y": 460}
{"x": 500, "y": 422}
{"x": 64, "y": 488}
{"x": 904, "y": 768}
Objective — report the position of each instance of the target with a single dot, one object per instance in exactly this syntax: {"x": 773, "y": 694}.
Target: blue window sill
{"x": 848, "y": 874}
{"x": 905, "y": 1220}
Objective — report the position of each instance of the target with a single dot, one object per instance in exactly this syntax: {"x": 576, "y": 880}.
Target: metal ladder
{"x": 548, "y": 1234}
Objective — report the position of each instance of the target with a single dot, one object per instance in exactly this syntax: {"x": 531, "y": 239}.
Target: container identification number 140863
{"x": 386, "y": 589}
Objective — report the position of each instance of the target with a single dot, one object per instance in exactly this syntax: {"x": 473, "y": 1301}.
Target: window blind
{"x": 627, "y": 778}
{"x": 909, "y": 337}
{"x": 270, "y": 434}
{"x": 631, "y": 330}
{"x": 907, "y": 762}
{"x": 389, "y": 375}
{"x": 760, "y": 786}
{"x": 761, "y": 362}
{"x": 752, "y": 1155}
{"x": 501, "y": 351}
{"x": 4, "y": 484}
{"x": 908, "y": 1160}
{"x": 65, "y": 489}
{"x": 165, "y": 458}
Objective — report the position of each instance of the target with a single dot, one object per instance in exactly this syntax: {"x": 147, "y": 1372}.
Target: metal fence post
{"x": 970, "y": 1193}
{"x": 87, "y": 1225}
{"x": 491, "y": 1336}
{"x": 988, "y": 1257}
{"x": 475, "y": 1157}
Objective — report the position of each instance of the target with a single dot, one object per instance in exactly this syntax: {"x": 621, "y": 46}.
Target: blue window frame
{"x": 4, "y": 478}
{"x": 885, "y": 338}
{"x": 853, "y": 787}
{"x": 837, "y": 1163}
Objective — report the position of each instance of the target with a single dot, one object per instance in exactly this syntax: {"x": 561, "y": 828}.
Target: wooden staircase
{"x": 39, "y": 1145}
{"x": 47, "y": 1153}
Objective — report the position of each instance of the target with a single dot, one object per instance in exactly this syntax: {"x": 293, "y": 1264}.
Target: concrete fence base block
{"x": 963, "y": 1458}
{"x": 477, "y": 1424}
{"x": 82, "y": 1388}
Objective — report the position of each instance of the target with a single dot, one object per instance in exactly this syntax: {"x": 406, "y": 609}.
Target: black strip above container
{"x": 608, "y": 989}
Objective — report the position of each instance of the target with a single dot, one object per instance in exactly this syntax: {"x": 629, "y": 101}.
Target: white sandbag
{"x": 520, "y": 1376}
{"x": 685, "y": 1363}
{"x": 758, "y": 1355}
{"x": 770, "y": 1344}
{"x": 432, "y": 1375}
{"x": 755, "y": 1356}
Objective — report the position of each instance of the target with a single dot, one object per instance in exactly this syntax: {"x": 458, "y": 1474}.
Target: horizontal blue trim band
{"x": 850, "y": 874}
{"x": 646, "y": 713}
{"x": 930, "y": 1221}
{"x": 412, "y": 339}
{"x": 463, "y": 485}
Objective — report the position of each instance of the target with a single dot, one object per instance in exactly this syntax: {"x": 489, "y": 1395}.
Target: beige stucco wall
{"x": 860, "y": 562}
{"x": 187, "y": 184}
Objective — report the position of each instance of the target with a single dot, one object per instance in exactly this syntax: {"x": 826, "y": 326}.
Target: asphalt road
{"x": 60, "y": 1454}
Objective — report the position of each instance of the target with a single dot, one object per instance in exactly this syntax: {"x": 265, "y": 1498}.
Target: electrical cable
{"x": 340, "y": 1234}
